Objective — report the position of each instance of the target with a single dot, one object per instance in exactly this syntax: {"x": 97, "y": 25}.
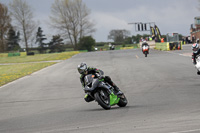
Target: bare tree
{"x": 4, "y": 26}
{"x": 70, "y": 18}
{"x": 23, "y": 16}
{"x": 118, "y": 35}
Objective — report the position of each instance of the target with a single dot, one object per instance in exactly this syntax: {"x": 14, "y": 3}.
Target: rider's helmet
{"x": 144, "y": 43}
{"x": 82, "y": 68}
{"x": 195, "y": 47}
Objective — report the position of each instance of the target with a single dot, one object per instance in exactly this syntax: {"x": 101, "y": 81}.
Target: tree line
{"x": 122, "y": 36}
{"x": 69, "y": 17}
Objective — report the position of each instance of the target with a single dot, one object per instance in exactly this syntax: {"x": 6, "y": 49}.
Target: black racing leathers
{"x": 194, "y": 57}
{"x": 90, "y": 70}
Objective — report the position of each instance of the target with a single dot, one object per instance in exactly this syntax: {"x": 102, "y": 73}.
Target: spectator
{"x": 162, "y": 40}
{"x": 183, "y": 40}
{"x": 197, "y": 41}
{"x": 193, "y": 38}
{"x": 186, "y": 40}
{"x": 110, "y": 46}
{"x": 150, "y": 39}
{"x": 142, "y": 39}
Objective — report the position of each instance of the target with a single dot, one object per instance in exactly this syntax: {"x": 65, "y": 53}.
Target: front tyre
{"x": 102, "y": 97}
{"x": 123, "y": 101}
{"x": 145, "y": 54}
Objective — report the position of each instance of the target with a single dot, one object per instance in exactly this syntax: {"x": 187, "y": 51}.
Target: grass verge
{"x": 25, "y": 65}
{"x": 10, "y": 73}
{"x": 38, "y": 57}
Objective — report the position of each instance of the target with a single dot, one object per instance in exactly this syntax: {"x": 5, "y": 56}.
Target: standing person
{"x": 110, "y": 46}
{"x": 197, "y": 41}
{"x": 113, "y": 47}
{"x": 196, "y": 54}
{"x": 186, "y": 40}
{"x": 183, "y": 40}
{"x": 142, "y": 39}
{"x": 162, "y": 40}
{"x": 150, "y": 38}
{"x": 193, "y": 39}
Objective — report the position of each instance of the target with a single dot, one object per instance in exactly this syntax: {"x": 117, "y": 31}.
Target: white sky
{"x": 169, "y": 15}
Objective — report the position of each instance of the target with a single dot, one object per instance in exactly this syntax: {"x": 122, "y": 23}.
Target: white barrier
{"x": 152, "y": 44}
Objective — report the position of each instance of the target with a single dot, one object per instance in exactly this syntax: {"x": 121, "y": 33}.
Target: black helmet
{"x": 82, "y": 68}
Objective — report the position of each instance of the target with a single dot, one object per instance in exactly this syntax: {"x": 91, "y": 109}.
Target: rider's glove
{"x": 99, "y": 76}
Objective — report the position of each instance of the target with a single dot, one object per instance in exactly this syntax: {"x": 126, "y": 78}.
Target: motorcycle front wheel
{"x": 123, "y": 101}
{"x": 103, "y": 98}
{"x": 145, "y": 54}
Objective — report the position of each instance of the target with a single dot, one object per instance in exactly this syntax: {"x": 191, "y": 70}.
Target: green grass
{"x": 3, "y": 55}
{"x": 9, "y": 73}
{"x": 38, "y": 57}
{"x": 25, "y": 65}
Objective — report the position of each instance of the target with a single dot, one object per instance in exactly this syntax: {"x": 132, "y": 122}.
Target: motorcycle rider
{"x": 84, "y": 70}
{"x": 144, "y": 43}
{"x": 196, "y": 54}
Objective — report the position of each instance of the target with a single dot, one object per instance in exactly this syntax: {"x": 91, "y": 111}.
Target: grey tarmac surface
{"x": 163, "y": 91}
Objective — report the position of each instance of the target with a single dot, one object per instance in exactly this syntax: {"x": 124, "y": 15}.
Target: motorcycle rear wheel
{"x": 102, "y": 97}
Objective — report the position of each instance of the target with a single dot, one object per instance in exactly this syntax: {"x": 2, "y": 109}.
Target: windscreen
{"x": 88, "y": 79}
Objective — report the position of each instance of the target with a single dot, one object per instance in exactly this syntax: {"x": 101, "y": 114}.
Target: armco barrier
{"x": 83, "y": 50}
{"x": 166, "y": 46}
{"x": 175, "y": 45}
{"x": 162, "y": 46}
{"x": 13, "y": 54}
{"x": 126, "y": 47}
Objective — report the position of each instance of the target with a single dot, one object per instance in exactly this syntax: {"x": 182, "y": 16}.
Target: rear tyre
{"x": 102, "y": 97}
{"x": 122, "y": 102}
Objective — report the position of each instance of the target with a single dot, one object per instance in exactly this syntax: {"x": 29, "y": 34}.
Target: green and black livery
{"x": 102, "y": 92}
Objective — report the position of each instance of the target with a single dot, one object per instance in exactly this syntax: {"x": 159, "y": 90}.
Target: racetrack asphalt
{"x": 163, "y": 92}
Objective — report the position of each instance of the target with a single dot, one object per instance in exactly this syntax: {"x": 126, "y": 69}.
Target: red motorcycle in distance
{"x": 145, "y": 49}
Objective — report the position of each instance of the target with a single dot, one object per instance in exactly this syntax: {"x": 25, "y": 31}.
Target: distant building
{"x": 195, "y": 30}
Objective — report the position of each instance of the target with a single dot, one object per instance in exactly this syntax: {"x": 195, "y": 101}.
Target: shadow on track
{"x": 114, "y": 108}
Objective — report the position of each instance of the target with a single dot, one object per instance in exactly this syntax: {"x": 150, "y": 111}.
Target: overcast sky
{"x": 169, "y": 15}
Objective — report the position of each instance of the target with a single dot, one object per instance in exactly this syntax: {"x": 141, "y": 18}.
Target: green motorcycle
{"x": 103, "y": 92}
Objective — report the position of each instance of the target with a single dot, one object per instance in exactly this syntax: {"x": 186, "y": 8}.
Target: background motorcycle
{"x": 198, "y": 63}
{"x": 102, "y": 92}
{"x": 145, "y": 50}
